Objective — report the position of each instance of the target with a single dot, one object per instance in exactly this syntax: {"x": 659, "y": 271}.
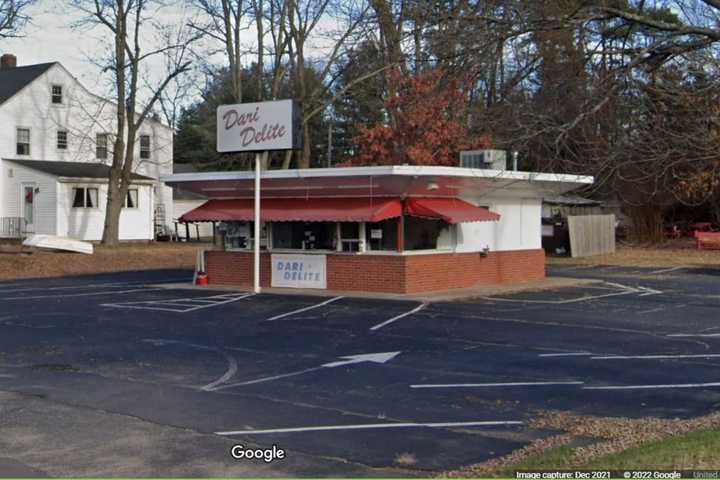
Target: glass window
{"x": 304, "y": 235}
{"x": 101, "y": 146}
{"x": 423, "y": 233}
{"x": 382, "y": 235}
{"x": 62, "y": 140}
{"x": 85, "y": 197}
{"x": 23, "y": 141}
{"x": 350, "y": 236}
{"x": 238, "y": 235}
{"x": 91, "y": 198}
{"x": 78, "y": 197}
{"x": 57, "y": 94}
{"x": 144, "y": 146}
{"x": 131, "y": 199}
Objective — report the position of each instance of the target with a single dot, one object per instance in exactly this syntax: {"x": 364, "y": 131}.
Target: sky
{"x": 50, "y": 37}
{"x": 55, "y": 35}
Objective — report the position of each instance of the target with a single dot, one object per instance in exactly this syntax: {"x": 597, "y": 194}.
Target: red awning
{"x": 452, "y": 210}
{"x": 298, "y": 209}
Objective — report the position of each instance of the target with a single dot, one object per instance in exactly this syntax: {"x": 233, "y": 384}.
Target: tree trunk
{"x": 113, "y": 208}
{"x": 647, "y": 223}
{"x": 304, "y": 161}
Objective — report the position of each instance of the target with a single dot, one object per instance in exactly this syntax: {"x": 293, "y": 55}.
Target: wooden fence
{"x": 591, "y": 235}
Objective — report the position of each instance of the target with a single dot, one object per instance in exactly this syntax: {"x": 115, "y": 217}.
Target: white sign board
{"x": 299, "y": 271}
{"x": 256, "y": 127}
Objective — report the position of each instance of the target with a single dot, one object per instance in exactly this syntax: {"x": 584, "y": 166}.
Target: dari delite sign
{"x": 256, "y": 127}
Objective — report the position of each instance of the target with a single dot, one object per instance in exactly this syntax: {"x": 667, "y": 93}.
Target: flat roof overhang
{"x": 382, "y": 181}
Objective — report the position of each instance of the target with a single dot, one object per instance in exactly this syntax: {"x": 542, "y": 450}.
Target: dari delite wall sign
{"x": 256, "y": 127}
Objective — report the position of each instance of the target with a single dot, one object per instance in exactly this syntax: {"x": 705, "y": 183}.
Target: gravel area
{"x": 21, "y": 262}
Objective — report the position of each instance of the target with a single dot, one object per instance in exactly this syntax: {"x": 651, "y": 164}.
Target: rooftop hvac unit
{"x": 484, "y": 159}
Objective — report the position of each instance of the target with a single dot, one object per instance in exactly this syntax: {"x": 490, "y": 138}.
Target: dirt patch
{"x": 129, "y": 257}
{"x": 613, "y": 435}
{"x": 672, "y": 253}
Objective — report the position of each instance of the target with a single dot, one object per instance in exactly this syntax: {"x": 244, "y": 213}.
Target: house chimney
{"x": 8, "y": 61}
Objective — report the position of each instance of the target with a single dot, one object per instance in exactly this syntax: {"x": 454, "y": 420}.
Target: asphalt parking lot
{"x": 115, "y": 375}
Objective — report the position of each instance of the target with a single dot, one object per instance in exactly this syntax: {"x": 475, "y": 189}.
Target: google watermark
{"x": 267, "y": 455}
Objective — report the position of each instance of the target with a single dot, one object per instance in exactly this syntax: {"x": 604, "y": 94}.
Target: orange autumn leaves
{"x": 427, "y": 125}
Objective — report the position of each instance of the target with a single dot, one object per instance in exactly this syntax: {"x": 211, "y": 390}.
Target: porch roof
{"x": 72, "y": 169}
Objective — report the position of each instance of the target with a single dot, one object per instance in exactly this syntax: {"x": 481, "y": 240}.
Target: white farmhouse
{"x": 56, "y": 140}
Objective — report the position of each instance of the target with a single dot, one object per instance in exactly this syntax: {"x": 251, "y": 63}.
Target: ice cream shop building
{"x": 397, "y": 229}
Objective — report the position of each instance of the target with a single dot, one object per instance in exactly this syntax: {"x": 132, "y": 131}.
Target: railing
{"x": 12, "y": 227}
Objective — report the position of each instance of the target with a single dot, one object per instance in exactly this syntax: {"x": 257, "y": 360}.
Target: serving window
{"x": 381, "y": 236}
{"x": 238, "y": 235}
{"x": 426, "y": 233}
{"x": 349, "y": 237}
{"x": 303, "y": 235}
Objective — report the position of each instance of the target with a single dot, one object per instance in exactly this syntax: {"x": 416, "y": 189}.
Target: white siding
{"x": 45, "y": 200}
{"x": 87, "y": 223}
{"x": 519, "y": 227}
{"x": 82, "y": 115}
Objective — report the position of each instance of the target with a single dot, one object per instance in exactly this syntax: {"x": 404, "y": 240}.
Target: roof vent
{"x": 8, "y": 61}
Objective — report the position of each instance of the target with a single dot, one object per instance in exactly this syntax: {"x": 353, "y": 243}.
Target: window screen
{"x": 23, "y": 141}
{"x": 57, "y": 94}
{"x": 145, "y": 146}
{"x": 101, "y": 144}
{"x": 62, "y": 140}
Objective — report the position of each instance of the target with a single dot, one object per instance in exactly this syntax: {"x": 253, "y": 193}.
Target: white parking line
{"x": 654, "y": 357}
{"x": 491, "y": 385}
{"x": 368, "y": 426}
{"x": 165, "y": 304}
{"x": 300, "y": 310}
{"x": 66, "y": 295}
{"x": 398, "y": 317}
{"x": 568, "y": 354}
{"x": 624, "y": 290}
{"x": 694, "y": 335}
{"x": 650, "y": 387}
{"x": 232, "y": 363}
{"x": 91, "y": 286}
{"x": 666, "y": 270}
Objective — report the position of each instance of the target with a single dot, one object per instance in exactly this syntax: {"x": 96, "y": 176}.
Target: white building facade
{"x": 47, "y": 116}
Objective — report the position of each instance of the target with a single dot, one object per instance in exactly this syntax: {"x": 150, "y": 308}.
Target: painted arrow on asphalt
{"x": 381, "y": 358}
{"x": 366, "y": 357}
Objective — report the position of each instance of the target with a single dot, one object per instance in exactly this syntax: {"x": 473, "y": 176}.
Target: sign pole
{"x": 256, "y": 234}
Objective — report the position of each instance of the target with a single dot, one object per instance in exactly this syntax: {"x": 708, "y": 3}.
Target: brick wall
{"x": 394, "y": 273}
{"x": 236, "y": 268}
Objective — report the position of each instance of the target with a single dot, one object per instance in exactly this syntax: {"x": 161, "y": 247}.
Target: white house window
{"x": 144, "y": 146}
{"x": 84, "y": 197}
{"x": 131, "y": 199}
{"x": 62, "y": 140}
{"x": 57, "y": 94}
{"x": 101, "y": 146}
{"x": 23, "y": 141}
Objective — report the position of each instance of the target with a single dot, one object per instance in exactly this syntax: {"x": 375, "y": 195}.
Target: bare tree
{"x": 303, "y": 19}
{"x": 13, "y": 17}
{"x": 223, "y": 21}
{"x": 129, "y": 22}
